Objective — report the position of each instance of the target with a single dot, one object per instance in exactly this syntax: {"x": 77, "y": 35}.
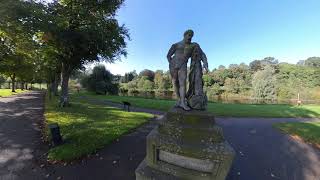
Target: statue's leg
{"x": 175, "y": 82}
{"x": 182, "y": 76}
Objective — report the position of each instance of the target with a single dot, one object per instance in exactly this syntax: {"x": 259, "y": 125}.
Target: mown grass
{"x": 220, "y": 109}
{"x": 308, "y": 131}
{"x": 7, "y": 92}
{"x": 87, "y": 127}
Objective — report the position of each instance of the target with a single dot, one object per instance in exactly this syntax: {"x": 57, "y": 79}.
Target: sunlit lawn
{"x": 220, "y": 109}
{"x": 7, "y": 92}
{"x": 88, "y": 127}
{"x": 308, "y": 131}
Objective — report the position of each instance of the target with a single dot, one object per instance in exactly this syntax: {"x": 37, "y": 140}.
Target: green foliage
{"x": 215, "y": 89}
{"x": 147, "y": 73}
{"x": 236, "y": 81}
{"x": 128, "y": 77}
{"x": 162, "y": 81}
{"x": 260, "y": 64}
{"x": 264, "y": 83}
{"x": 234, "y": 85}
{"x": 88, "y": 127}
{"x": 100, "y": 81}
{"x": 313, "y": 62}
{"x": 208, "y": 80}
{"x": 144, "y": 84}
{"x": 133, "y": 85}
{"x": 293, "y": 79}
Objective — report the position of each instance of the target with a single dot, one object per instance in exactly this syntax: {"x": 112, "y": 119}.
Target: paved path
{"x": 264, "y": 153}
{"x": 20, "y": 137}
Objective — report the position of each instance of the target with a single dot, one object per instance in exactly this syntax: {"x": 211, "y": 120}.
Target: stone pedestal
{"x": 186, "y": 145}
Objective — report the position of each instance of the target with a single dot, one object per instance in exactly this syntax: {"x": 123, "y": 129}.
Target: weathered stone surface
{"x": 186, "y": 162}
{"x": 188, "y": 145}
{"x": 144, "y": 172}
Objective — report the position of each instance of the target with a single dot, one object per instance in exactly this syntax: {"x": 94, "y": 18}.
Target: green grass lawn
{"x": 220, "y": 109}
{"x": 7, "y": 92}
{"x": 87, "y": 127}
{"x": 308, "y": 131}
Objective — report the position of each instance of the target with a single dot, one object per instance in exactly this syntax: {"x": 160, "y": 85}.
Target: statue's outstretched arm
{"x": 171, "y": 52}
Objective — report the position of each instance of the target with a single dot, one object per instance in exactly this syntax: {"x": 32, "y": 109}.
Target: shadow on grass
{"x": 308, "y": 131}
{"x": 89, "y": 127}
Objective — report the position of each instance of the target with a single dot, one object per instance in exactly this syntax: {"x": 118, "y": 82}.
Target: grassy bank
{"x": 88, "y": 127}
{"x": 220, "y": 109}
{"x": 308, "y": 131}
{"x": 7, "y": 92}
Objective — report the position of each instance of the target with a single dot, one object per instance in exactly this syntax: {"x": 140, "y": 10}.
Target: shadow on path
{"x": 263, "y": 152}
{"x": 20, "y": 137}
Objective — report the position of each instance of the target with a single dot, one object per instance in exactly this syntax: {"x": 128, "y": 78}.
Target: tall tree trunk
{"x": 22, "y": 85}
{"x": 13, "y": 80}
{"x": 64, "y": 99}
{"x": 26, "y": 86}
{"x": 56, "y": 83}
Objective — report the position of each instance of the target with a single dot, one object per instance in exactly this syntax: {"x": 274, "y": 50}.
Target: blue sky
{"x": 229, "y": 31}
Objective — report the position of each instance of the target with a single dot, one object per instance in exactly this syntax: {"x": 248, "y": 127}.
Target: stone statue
{"x": 197, "y": 99}
{"x": 186, "y": 144}
{"x": 178, "y": 56}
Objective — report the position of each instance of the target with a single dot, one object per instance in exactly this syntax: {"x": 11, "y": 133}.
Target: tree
{"x": 264, "y": 83}
{"x": 313, "y": 62}
{"x": 128, "y": 77}
{"x": 147, "y": 73}
{"x": 84, "y": 31}
{"x": 259, "y": 64}
{"x": 162, "y": 81}
{"x": 2, "y": 80}
{"x": 18, "y": 24}
{"x": 234, "y": 85}
{"x": 215, "y": 89}
{"x": 144, "y": 84}
{"x": 208, "y": 80}
{"x": 100, "y": 81}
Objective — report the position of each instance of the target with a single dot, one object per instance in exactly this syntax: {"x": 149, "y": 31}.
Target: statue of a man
{"x": 178, "y": 56}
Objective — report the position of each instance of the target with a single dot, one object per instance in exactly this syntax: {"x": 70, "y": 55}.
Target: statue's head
{"x": 187, "y": 36}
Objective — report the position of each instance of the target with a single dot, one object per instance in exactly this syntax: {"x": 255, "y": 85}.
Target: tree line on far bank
{"x": 265, "y": 79}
